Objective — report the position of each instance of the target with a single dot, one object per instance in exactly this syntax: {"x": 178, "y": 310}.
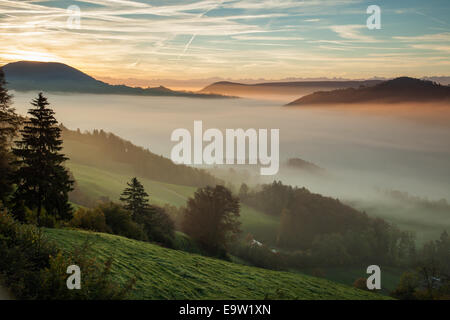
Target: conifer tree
{"x": 135, "y": 198}
{"x": 42, "y": 181}
{"x": 9, "y": 122}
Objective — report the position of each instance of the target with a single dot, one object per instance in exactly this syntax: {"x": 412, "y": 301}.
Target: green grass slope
{"x": 169, "y": 274}
{"x": 110, "y": 182}
{"x": 347, "y": 275}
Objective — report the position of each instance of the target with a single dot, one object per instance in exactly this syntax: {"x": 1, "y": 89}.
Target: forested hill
{"x": 403, "y": 89}
{"x": 108, "y": 151}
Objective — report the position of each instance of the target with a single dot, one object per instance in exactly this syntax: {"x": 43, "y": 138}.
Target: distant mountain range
{"x": 196, "y": 84}
{"x": 59, "y": 77}
{"x": 403, "y": 89}
{"x": 281, "y": 90}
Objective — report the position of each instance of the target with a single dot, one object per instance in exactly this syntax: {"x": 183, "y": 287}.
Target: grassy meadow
{"x": 162, "y": 273}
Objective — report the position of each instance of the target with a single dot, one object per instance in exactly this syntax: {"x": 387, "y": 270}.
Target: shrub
{"x": 157, "y": 225}
{"x": 89, "y": 219}
{"x": 360, "y": 283}
{"x": 97, "y": 283}
{"x": 34, "y": 268}
{"x": 121, "y": 222}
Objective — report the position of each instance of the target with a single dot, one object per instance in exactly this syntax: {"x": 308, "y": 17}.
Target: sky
{"x": 132, "y": 40}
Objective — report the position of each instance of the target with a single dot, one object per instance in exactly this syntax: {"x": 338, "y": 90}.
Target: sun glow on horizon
{"x": 134, "y": 40}
{"x": 22, "y": 55}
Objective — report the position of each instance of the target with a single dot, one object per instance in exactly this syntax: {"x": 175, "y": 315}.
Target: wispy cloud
{"x": 352, "y": 32}
{"x": 261, "y": 38}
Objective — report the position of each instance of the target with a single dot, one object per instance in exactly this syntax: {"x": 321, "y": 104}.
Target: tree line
{"x": 144, "y": 163}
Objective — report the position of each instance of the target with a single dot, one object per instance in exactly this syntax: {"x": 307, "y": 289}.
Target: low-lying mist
{"x": 364, "y": 148}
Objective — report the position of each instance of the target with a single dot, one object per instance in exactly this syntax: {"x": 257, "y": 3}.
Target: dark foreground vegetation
{"x": 33, "y": 268}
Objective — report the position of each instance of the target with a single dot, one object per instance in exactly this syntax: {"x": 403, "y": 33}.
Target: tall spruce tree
{"x": 42, "y": 181}
{"x": 135, "y": 198}
{"x": 9, "y": 122}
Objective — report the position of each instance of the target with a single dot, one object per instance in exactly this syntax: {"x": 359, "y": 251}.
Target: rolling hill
{"x": 162, "y": 273}
{"x": 306, "y": 166}
{"x": 403, "y": 89}
{"x": 59, "y": 77}
{"x": 108, "y": 151}
{"x": 280, "y": 90}
{"x": 99, "y": 183}
{"x": 103, "y": 163}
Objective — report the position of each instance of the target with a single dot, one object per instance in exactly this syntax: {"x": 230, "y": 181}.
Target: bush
{"x": 121, "y": 223}
{"x": 407, "y": 286}
{"x": 97, "y": 283}
{"x": 360, "y": 283}
{"x": 154, "y": 224}
{"x": 33, "y": 268}
{"x": 92, "y": 219}
{"x": 157, "y": 225}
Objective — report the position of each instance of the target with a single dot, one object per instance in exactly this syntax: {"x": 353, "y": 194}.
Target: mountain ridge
{"x": 401, "y": 89}
{"x": 60, "y": 77}
{"x": 286, "y": 90}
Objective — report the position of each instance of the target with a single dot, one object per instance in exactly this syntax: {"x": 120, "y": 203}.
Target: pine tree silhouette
{"x": 135, "y": 198}
{"x": 9, "y": 122}
{"x": 42, "y": 181}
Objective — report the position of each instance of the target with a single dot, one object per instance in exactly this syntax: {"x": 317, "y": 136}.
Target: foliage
{"x": 361, "y": 283}
{"x": 431, "y": 277}
{"x": 9, "y": 122}
{"x": 107, "y": 147}
{"x": 97, "y": 283}
{"x": 258, "y": 256}
{"x": 211, "y": 218}
{"x": 33, "y": 268}
{"x": 135, "y": 198}
{"x": 333, "y": 233}
{"x": 42, "y": 181}
{"x": 157, "y": 224}
{"x": 90, "y": 219}
{"x": 120, "y": 221}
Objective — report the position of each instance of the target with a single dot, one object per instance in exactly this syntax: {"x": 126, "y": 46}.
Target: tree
{"x": 211, "y": 217}
{"x": 9, "y": 122}
{"x": 135, "y": 198}
{"x": 42, "y": 181}
{"x": 157, "y": 225}
{"x": 407, "y": 287}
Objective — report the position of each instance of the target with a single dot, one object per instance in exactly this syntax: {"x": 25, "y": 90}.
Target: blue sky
{"x": 271, "y": 39}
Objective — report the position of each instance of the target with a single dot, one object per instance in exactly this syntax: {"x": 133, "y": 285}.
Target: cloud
{"x": 434, "y": 47}
{"x": 352, "y": 32}
{"x": 129, "y": 38}
{"x": 436, "y": 37}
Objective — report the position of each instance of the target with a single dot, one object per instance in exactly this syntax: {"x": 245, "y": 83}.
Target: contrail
{"x": 186, "y": 47}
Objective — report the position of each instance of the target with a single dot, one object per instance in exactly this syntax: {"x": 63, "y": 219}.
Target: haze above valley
{"x": 404, "y": 148}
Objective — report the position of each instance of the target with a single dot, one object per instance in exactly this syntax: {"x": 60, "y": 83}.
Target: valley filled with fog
{"x": 367, "y": 151}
